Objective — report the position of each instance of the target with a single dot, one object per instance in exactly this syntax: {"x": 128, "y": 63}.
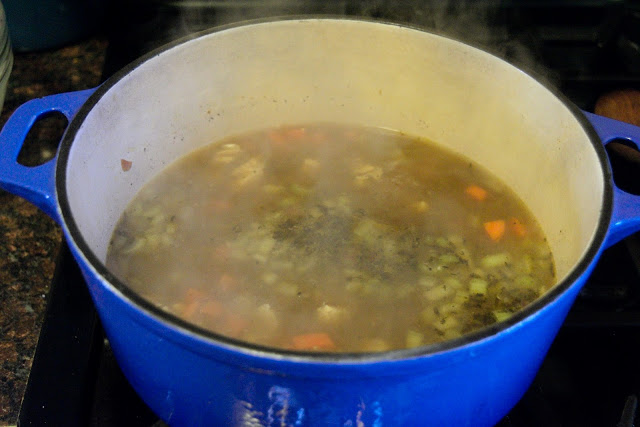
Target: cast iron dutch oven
{"x": 264, "y": 74}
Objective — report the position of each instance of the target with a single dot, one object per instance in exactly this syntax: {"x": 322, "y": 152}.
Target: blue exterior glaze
{"x": 626, "y": 207}
{"x": 191, "y": 380}
{"x": 36, "y": 184}
{"x": 190, "y": 377}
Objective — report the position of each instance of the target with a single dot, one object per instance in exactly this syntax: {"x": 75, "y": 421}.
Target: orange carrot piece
{"x": 211, "y": 308}
{"x": 276, "y": 136}
{"x": 192, "y": 302}
{"x": 313, "y": 341}
{"x": 233, "y": 325}
{"x": 495, "y": 229}
{"x": 518, "y": 227}
{"x": 192, "y": 294}
{"x": 476, "y": 192}
{"x": 190, "y": 309}
{"x": 296, "y": 133}
{"x": 125, "y": 165}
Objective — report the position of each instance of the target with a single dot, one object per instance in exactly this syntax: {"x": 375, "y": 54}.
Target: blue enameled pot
{"x": 263, "y": 74}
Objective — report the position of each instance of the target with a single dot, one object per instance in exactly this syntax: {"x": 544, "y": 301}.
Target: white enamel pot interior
{"x": 344, "y": 71}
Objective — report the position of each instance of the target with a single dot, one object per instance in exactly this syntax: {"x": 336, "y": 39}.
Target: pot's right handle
{"x": 625, "y": 218}
{"x": 34, "y": 183}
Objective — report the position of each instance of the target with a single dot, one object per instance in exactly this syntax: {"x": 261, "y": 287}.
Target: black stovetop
{"x": 591, "y": 375}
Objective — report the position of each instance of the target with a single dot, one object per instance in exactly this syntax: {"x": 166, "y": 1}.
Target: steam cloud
{"x": 487, "y": 24}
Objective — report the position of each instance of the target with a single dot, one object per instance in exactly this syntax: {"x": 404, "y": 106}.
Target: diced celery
{"x": 421, "y": 206}
{"x": 436, "y": 293}
{"x": 315, "y": 212}
{"x": 501, "y": 315}
{"x": 526, "y": 264}
{"x": 267, "y": 319}
{"x": 495, "y": 260}
{"x": 428, "y": 281}
{"x": 525, "y": 282}
{"x": 452, "y": 283}
{"x": 330, "y": 314}
{"x": 461, "y": 297}
{"x": 248, "y": 171}
{"x": 447, "y": 324}
{"x": 375, "y": 344}
{"x": 137, "y": 245}
{"x": 310, "y": 166}
{"x": 448, "y": 308}
{"x": 428, "y": 316}
{"x": 448, "y": 259}
{"x": 369, "y": 230}
{"x": 299, "y": 190}
{"x": 442, "y": 242}
{"x": 452, "y": 333}
{"x": 414, "y": 339}
{"x": 269, "y": 277}
{"x": 478, "y": 286}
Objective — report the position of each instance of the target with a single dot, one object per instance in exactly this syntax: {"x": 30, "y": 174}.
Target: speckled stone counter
{"x": 29, "y": 240}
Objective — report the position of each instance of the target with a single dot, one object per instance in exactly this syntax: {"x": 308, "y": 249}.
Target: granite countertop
{"x": 29, "y": 239}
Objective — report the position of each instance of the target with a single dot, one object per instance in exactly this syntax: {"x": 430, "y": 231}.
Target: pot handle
{"x": 625, "y": 219}
{"x": 34, "y": 183}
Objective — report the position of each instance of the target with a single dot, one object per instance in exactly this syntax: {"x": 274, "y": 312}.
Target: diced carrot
{"x": 192, "y": 302}
{"x": 313, "y": 341}
{"x": 125, "y": 165}
{"x": 296, "y": 133}
{"x": 277, "y": 136}
{"x": 192, "y": 294}
{"x": 190, "y": 309}
{"x": 227, "y": 282}
{"x": 211, "y": 308}
{"x": 476, "y": 192}
{"x": 284, "y": 135}
{"x": 495, "y": 229}
{"x": 233, "y": 324}
{"x": 518, "y": 227}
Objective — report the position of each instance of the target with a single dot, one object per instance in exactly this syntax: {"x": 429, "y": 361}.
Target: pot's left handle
{"x": 34, "y": 183}
{"x": 625, "y": 219}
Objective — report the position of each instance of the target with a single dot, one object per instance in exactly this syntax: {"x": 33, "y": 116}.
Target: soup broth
{"x": 331, "y": 238}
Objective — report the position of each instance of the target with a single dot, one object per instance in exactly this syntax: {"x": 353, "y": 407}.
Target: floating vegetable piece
{"x": 414, "y": 339}
{"x": 351, "y": 244}
{"x": 125, "y": 165}
{"x": 211, "y": 308}
{"x": 495, "y": 260}
{"x": 330, "y": 314}
{"x": 313, "y": 341}
{"x": 517, "y": 227}
{"x": 476, "y": 192}
{"x": 495, "y": 229}
{"x": 478, "y": 286}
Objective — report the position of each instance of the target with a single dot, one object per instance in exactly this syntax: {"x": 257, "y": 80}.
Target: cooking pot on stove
{"x": 246, "y": 77}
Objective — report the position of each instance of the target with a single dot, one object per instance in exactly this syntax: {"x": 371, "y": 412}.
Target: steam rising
{"x": 487, "y": 24}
